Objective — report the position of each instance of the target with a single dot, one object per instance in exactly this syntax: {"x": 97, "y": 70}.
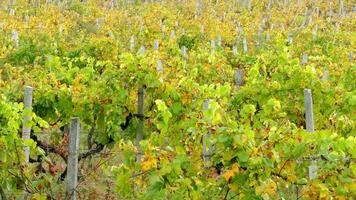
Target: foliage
{"x": 77, "y": 57}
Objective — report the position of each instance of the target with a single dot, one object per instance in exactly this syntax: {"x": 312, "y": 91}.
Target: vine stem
{"x": 227, "y": 192}
{"x": 284, "y": 164}
{"x": 2, "y": 194}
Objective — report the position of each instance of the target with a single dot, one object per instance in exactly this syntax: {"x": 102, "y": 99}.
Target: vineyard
{"x": 177, "y": 99}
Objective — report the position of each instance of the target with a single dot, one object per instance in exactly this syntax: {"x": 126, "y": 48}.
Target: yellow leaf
{"x": 148, "y": 163}
{"x": 324, "y": 192}
{"x": 265, "y": 196}
{"x": 230, "y": 173}
{"x": 259, "y": 190}
{"x": 292, "y": 178}
{"x": 271, "y": 188}
{"x": 340, "y": 198}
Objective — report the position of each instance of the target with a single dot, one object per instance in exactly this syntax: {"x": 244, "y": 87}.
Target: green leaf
{"x": 243, "y": 156}
{"x": 299, "y": 150}
{"x": 161, "y": 105}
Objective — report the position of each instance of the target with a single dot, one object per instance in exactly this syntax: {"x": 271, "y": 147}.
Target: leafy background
{"x": 77, "y": 57}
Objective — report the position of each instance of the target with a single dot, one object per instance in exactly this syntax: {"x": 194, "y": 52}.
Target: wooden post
{"x": 325, "y": 75}
{"x": 12, "y": 12}
{"x": 269, "y": 5}
{"x": 163, "y": 28}
{"x": 132, "y": 43}
{"x": 315, "y": 32}
{"x": 341, "y": 8}
{"x": 351, "y": 56}
{"x": 15, "y": 37}
{"x": 212, "y": 43}
{"x": 141, "y": 24}
{"x": 240, "y": 29}
{"x": 198, "y": 8}
{"x": 249, "y": 4}
{"x": 99, "y": 22}
{"x": 73, "y": 152}
{"x": 313, "y": 170}
{"x": 309, "y": 117}
{"x": 305, "y": 59}
{"x": 140, "y": 112}
{"x": 234, "y": 50}
{"x": 207, "y": 150}
{"x": 172, "y": 35}
{"x": 244, "y": 42}
{"x": 156, "y": 45}
{"x": 284, "y": 5}
{"x": 239, "y": 77}
{"x": 160, "y": 69}
{"x": 176, "y": 24}
{"x": 60, "y": 29}
{"x": 26, "y": 129}
{"x": 184, "y": 54}
{"x": 143, "y": 50}
{"x": 130, "y": 26}
{"x": 309, "y": 122}
{"x": 290, "y": 38}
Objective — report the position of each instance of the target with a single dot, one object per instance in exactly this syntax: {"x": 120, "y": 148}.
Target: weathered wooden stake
{"x": 290, "y": 38}
{"x": 73, "y": 152}
{"x": 309, "y": 117}
{"x": 240, "y": 29}
{"x": 213, "y": 46}
{"x": 325, "y": 75}
{"x": 140, "y": 112}
{"x": 15, "y": 37}
{"x": 12, "y": 12}
{"x": 244, "y": 42}
{"x": 143, "y": 50}
{"x": 198, "y": 8}
{"x": 207, "y": 151}
{"x": 99, "y": 23}
{"x": 249, "y": 4}
{"x": 26, "y": 129}
{"x": 184, "y": 54}
{"x": 132, "y": 42}
{"x": 160, "y": 69}
{"x": 156, "y": 45}
{"x": 268, "y": 36}
{"x": 313, "y": 170}
{"x": 141, "y": 24}
{"x": 176, "y": 24}
{"x": 234, "y": 50}
{"x": 305, "y": 58}
{"x": 351, "y": 56}
{"x": 309, "y": 122}
{"x": 239, "y": 78}
{"x": 342, "y": 9}
{"x": 60, "y": 29}
{"x": 315, "y": 32}
{"x": 172, "y": 35}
